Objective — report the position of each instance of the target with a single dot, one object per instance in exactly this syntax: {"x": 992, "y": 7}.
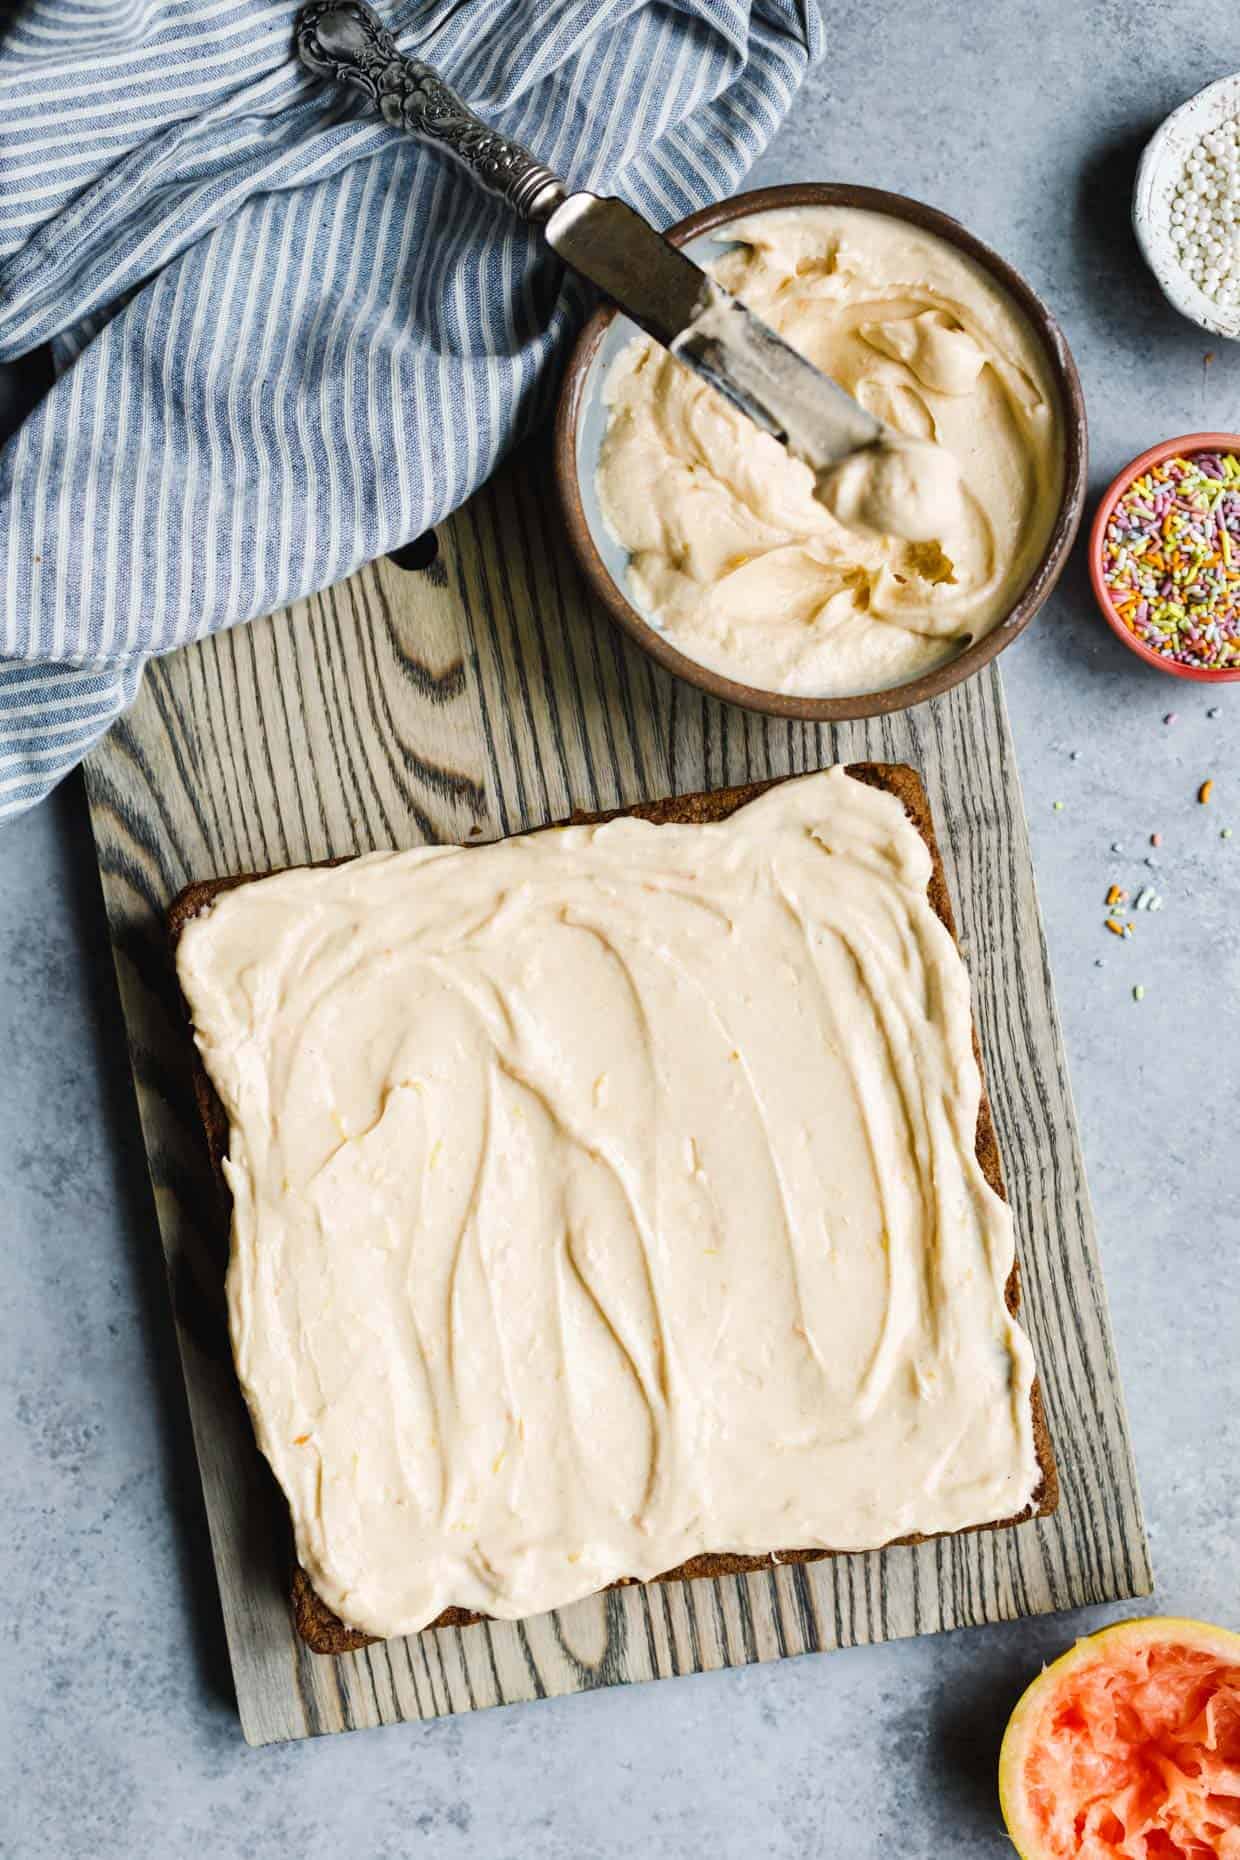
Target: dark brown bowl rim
{"x": 1036, "y": 589}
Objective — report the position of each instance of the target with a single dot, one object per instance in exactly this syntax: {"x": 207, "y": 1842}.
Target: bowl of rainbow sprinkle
{"x": 1164, "y": 556}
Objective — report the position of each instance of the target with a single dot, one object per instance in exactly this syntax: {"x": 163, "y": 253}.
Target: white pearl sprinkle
{"x": 1204, "y": 213}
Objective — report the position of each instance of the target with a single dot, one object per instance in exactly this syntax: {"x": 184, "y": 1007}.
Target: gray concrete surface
{"x": 1024, "y": 117}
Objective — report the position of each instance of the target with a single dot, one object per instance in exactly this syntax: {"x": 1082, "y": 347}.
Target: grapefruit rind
{"x": 1101, "y": 1832}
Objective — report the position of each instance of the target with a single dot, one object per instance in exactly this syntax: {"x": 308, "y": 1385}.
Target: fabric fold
{"x": 289, "y": 339}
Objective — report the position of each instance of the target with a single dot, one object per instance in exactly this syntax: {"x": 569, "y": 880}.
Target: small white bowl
{"x": 1160, "y": 167}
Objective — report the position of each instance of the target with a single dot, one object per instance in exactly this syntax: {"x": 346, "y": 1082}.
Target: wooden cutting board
{"x": 477, "y": 695}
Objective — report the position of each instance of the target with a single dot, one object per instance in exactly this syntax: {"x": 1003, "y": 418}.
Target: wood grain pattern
{"x": 481, "y": 695}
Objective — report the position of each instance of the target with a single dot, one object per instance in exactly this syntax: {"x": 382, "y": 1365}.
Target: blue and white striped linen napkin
{"x": 287, "y": 339}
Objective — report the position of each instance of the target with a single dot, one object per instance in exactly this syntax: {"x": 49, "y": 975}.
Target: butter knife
{"x": 601, "y": 238}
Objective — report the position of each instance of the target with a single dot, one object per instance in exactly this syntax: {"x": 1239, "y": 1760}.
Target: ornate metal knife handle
{"x": 347, "y": 41}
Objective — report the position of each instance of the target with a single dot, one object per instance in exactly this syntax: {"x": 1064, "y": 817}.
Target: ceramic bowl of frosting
{"x": 650, "y": 577}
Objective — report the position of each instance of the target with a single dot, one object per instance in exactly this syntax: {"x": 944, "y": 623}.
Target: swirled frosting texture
{"x": 609, "y": 1195}
{"x": 884, "y": 567}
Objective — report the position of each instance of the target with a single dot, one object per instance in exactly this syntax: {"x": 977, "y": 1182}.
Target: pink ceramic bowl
{"x": 1187, "y": 444}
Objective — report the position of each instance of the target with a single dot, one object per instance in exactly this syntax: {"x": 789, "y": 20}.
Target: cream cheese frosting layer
{"x": 606, "y": 1196}
{"x": 887, "y": 565}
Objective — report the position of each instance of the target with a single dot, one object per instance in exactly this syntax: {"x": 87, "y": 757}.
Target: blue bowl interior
{"x": 592, "y": 422}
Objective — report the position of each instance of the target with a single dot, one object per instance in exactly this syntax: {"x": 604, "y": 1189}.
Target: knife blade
{"x": 709, "y": 330}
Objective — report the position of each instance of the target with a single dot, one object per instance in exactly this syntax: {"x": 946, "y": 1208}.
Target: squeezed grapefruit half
{"x": 1128, "y": 1748}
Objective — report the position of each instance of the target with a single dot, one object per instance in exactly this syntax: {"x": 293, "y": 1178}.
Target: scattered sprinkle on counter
{"x": 1213, "y": 711}
{"x": 1138, "y": 993}
{"x": 1145, "y": 898}
{"x": 1170, "y": 717}
{"x": 1171, "y": 560}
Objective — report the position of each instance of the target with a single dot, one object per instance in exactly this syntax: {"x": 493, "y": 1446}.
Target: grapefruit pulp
{"x": 1128, "y": 1748}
